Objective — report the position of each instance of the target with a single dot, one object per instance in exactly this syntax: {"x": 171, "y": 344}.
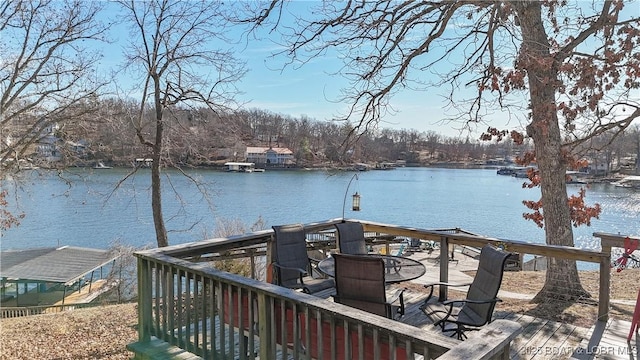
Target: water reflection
{"x": 83, "y": 208}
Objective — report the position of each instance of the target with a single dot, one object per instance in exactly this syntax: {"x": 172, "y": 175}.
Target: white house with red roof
{"x": 269, "y": 156}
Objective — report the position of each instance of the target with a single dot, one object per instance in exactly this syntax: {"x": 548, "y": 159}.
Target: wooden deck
{"x": 536, "y": 338}
{"x": 540, "y": 338}
{"x": 609, "y": 341}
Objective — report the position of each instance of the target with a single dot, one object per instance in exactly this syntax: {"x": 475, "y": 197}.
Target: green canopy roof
{"x": 65, "y": 265}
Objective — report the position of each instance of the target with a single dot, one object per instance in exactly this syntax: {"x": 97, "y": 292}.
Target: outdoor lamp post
{"x": 355, "y": 198}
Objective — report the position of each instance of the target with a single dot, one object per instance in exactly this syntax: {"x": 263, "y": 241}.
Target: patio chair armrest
{"x": 446, "y": 284}
{"x": 447, "y": 302}
{"x": 450, "y": 304}
{"x": 301, "y": 272}
{"x": 430, "y": 286}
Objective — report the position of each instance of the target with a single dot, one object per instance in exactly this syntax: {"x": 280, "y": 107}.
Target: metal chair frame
{"x": 477, "y": 309}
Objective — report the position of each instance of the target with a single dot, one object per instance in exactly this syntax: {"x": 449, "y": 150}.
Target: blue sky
{"x": 311, "y": 90}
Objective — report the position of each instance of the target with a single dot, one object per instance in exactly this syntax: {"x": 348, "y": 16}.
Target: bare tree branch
{"x": 522, "y": 56}
{"x": 178, "y": 46}
{"x": 47, "y": 76}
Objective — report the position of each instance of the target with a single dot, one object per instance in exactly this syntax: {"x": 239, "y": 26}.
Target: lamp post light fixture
{"x": 355, "y": 198}
{"x": 355, "y": 202}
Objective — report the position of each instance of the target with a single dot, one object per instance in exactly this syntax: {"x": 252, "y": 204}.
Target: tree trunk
{"x": 562, "y": 279}
{"x": 156, "y": 190}
{"x": 156, "y": 202}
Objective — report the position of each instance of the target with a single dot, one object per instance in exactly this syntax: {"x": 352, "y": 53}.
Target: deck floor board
{"x": 545, "y": 339}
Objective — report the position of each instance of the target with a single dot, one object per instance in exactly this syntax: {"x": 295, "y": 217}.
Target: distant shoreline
{"x": 219, "y": 166}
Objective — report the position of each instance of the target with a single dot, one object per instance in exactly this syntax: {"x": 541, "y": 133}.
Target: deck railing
{"x": 458, "y": 237}
{"x": 185, "y": 303}
{"x": 11, "y": 312}
{"x": 214, "y": 314}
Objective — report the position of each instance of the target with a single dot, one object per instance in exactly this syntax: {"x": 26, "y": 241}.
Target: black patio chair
{"x": 292, "y": 266}
{"x": 360, "y": 284}
{"x": 476, "y": 310}
{"x": 351, "y": 238}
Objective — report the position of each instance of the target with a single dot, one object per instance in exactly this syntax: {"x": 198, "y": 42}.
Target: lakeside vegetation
{"x": 203, "y": 138}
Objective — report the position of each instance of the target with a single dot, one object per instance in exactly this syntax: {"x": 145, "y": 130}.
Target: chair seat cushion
{"x": 467, "y": 316}
{"x": 312, "y": 285}
{"x": 435, "y": 311}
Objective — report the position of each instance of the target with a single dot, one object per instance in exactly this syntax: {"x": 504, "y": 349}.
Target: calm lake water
{"x": 83, "y": 208}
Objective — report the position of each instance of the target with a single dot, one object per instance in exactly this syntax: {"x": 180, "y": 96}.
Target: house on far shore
{"x": 270, "y": 156}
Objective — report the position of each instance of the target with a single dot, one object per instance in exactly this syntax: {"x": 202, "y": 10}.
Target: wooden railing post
{"x": 269, "y": 260}
{"x": 252, "y": 260}
{"x": 265, "y": 308}
{"x": 144, "y": 300}
{"x": 604, "y": 291}
{"x": 444, "y": 267}
{"x": 607, "y": 242}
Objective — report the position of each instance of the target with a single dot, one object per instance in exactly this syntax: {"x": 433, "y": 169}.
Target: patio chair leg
{"x": 461, "y": 334}
{"x": 245, "y": 344}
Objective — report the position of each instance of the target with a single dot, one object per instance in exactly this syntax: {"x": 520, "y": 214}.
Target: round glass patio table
{"x": 397, "y": 268}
